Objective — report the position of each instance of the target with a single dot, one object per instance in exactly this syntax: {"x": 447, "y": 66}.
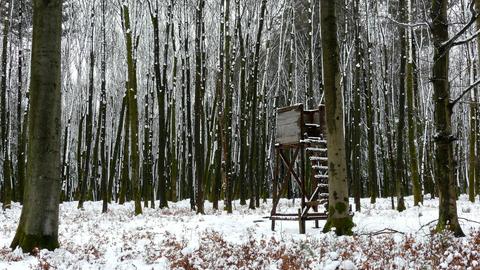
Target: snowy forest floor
{"x": 177, "y": 238}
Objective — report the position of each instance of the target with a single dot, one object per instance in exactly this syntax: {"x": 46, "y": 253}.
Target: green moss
{"x": 455, "y": 228}
{"x": 341, "y": 207}
{"x": 343, "y": 226}
{"x": 29, "y": 242}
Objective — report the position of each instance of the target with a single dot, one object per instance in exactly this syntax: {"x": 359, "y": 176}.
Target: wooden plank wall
{"x": 288, "y": 127}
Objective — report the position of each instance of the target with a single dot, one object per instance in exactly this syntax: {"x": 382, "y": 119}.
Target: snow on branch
{"x": 410, "y": 25}
{"x": 470, "y": 38}
{"x": 452, "y": 104}
{"x": 451, "y": 42}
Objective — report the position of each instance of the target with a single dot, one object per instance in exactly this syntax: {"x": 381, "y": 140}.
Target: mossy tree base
{"x": 343, "y": 226}
{"x": 455, "y": 229}
{"x": 31, "y": 242}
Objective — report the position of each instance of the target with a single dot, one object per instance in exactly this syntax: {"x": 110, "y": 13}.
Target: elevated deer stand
{"x": 301, "y": 132}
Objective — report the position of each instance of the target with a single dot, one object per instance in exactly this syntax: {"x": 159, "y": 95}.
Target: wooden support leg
{"x": 301, "y": 222}
{"x": 275, "y": 187}
{"x": 315, "y": 209}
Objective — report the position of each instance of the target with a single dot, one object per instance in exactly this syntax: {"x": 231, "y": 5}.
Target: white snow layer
{"x": 177, "y": 238}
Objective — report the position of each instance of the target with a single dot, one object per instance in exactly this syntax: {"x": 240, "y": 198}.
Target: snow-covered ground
{"x": 176, "y": 238}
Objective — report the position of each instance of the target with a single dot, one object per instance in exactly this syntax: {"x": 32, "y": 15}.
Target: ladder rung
{"x": 323, "y": 195}
{"x": 321, "y": 176}
{"x": 314, "y": 158}
{"x": 315, "y": 149}
{"x": 320, "y": 167}
{"x": 312, "y": 125}
{"x": 314, "y": 140}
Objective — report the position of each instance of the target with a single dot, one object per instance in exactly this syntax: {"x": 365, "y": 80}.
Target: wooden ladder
{"x": 316, "y": 151}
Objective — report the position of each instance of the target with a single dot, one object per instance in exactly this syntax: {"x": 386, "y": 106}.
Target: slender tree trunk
{"x": 401, "y": 112}
{"x": 199, "y": 77}
{"x": 411, "y": 117}
{"x": 253, "y": 88}
{"x": 89, "y": 118}
{"x": 242, "y": 92}
{"x": 4, "y": 119}
{"x": 115, "y": 157}
{"x": 356, "y": 129}
{"x": 190, "y": 163}
{"x": 103, "y": 116}
{"x": 125, "y": 174}
{"x": 132, "y": 111}
{"x": 227, "y": 114}
{"x": 370, "y": 114}
{"x": 20, "y": 142}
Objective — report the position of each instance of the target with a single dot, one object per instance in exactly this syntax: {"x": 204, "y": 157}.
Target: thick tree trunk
{"x": 38, "y": 227}
{"x": 338, "y": 212}
{"x": 444, "y": 160}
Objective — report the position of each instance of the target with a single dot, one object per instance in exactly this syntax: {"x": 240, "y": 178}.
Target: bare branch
{"x": 383, "y": 231}
{"x": 451, "y": 42}
{"x": 426, "y": 225}
{"x": 452, "y": 104}
{"x": 469, "y": 220}
{"x": 412, "y": 25}
{"x": 470, "y": 38}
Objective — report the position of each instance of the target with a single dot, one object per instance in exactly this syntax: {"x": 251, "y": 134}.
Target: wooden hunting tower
{"x": 300, "y": 134}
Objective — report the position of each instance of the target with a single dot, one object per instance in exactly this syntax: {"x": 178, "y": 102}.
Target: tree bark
{"x": 38, "y": 226}
{"x": 198, "y": 108}
{"x": 444, "y": 161}
{"x": 132, "y": 111}
{"x": 338, "y": 211}
{"x": 411, "y": 116}
{"x": 399, "y": 170}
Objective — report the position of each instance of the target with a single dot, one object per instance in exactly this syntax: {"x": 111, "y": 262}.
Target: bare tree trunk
{"x": 103, "y": 116}
{"x": 20, "y": 112}
{"x": 444, "y": 161}
{"x": 253, "y": 88}
{"x": 4, "y": 119}
{"x": 132, "y": 110}
{"x": 338, "y": 212}
{"x": 38, "y": 226}
{"x": 401, "y": 112}
{"x": 199, "y": 92}
{"x": 89, "y": 117}
{"x": 411, "y": 116}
